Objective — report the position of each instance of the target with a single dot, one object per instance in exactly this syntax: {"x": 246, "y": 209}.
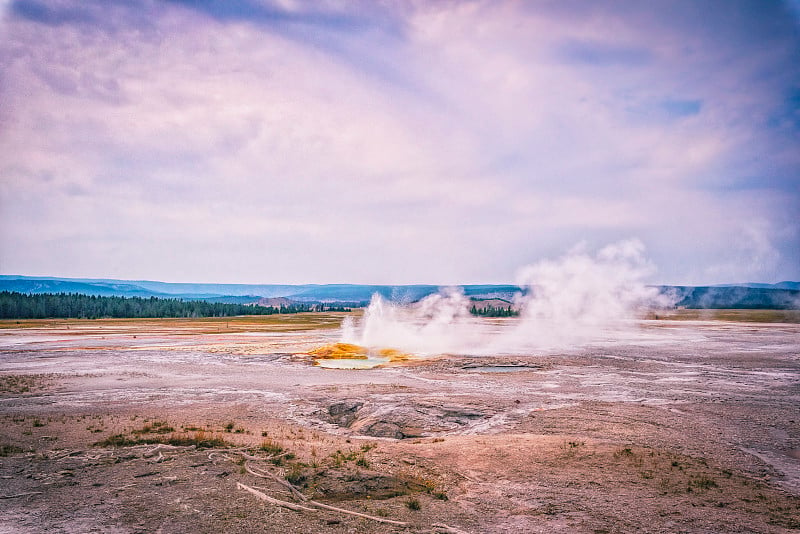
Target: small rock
{"x": 344, "y": 413}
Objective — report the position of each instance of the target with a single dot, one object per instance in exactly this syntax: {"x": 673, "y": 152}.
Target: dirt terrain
{"x": 226, "y": 425}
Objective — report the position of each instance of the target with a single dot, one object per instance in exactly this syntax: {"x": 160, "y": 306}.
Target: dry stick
{"x": 359, "y": 514}
{"x": 271, "y": 500}
{"x": 20, "y": 495}
{"x": 212, "y": 454}
{"x": 298, "y": 507}
{"x": 270, "y": 476}
{"x": 251, "y": 457}
{"x": 156, "y": 449}
{"x": 262, "y": 458}
{"x": 447, "y": 529}
{"x": 296, "y": 493}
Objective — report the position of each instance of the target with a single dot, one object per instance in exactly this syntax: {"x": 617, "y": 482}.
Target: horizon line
{"x": 411, "y": 284}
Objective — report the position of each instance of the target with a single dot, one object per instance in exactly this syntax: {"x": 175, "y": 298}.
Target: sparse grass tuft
{"x": 270, "y": 447}
{"x": 703, "y": 482}
{"x": 200, "y": 439}
{"x": 7, "y": 450}
{"x": 118, "y": 440}
{"x": 17, "y": 384}
{"x": 339, "y": 458}
{"x": 295, "y": 474}
{"x": 413, "y": 504}
{"x": 156, "y": 427}
{"x": 627, "y": 452}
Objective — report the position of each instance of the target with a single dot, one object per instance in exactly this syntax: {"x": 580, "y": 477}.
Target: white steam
{"x": 577, "y": 299}
{"x": 438, "y": 323}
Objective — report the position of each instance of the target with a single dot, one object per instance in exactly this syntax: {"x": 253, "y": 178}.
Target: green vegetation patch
{"x": 200, "y": 439}
{"x": 18, "y": 384}
{"x": 156, "y": 427}
{"x": 7, "y": 449}
{"x": 73, "y": 305}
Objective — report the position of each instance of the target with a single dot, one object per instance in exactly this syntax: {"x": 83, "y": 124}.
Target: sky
{"x": 258, "y": 141}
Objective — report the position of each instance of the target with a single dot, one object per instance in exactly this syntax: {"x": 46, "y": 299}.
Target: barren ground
{"x": 154, "y": 426}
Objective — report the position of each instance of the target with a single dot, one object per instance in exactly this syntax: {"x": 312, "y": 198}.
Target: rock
{"x": 460, "y": 412}
{"x": 345, "y": 412}
{"x": 383, "y": 429}
{"x": 389, "y": 429}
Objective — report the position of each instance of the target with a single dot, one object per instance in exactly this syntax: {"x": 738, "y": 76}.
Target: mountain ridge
{"x": 783, "y": 295}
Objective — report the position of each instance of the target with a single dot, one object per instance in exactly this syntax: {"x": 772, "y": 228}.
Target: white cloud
{"x": 465, "y": 146}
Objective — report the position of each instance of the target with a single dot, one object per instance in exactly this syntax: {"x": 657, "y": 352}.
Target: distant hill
{"x": 102, "y": 286}
{"x": 735, "y": 297}
{"x": 38, "y": 286}
{"x": 362, "y": 293}
{"x": 353, "y": 294}
{"x": 779, "y": 285}
{"x": 492, "y": 292}
{"x": 784, "y": 295}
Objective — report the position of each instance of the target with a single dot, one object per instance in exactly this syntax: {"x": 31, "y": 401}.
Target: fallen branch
{"x": 20, "y": 495}
{"x": 157, "y": 449}
{"x": 248, "y": 456}
{"x": 359, "y": 514}
{"x": 297, "y": 507}
{"x": 441, "y": 527}
{"x": 270, "y": 476}
{"x": 272, "y": 500}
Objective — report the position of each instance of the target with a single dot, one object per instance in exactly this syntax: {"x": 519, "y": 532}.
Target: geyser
{"x": 577, "y": 299}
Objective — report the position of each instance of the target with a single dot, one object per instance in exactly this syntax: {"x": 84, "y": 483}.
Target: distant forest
{"x": 494, "y": 311}
{"x": 75, "y": 306}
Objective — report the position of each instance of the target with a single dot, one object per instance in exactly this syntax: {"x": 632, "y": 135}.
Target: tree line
{"x": 493, "y": 311}
{"x": 77, "y": 306}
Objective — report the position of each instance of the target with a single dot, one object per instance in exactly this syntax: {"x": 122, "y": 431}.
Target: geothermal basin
{"x": 690, "y": 424}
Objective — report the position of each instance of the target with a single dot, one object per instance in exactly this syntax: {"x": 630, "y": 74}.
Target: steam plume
{"x": 579, "y": 298}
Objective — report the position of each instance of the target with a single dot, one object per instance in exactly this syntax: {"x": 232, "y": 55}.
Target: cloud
{"x": 682, "y": 108}
{"x": 305, "y": 14}
{"x": 52, "y": 15}
{"x": 603, "y": 54}
{"x": 444, "y": 142}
